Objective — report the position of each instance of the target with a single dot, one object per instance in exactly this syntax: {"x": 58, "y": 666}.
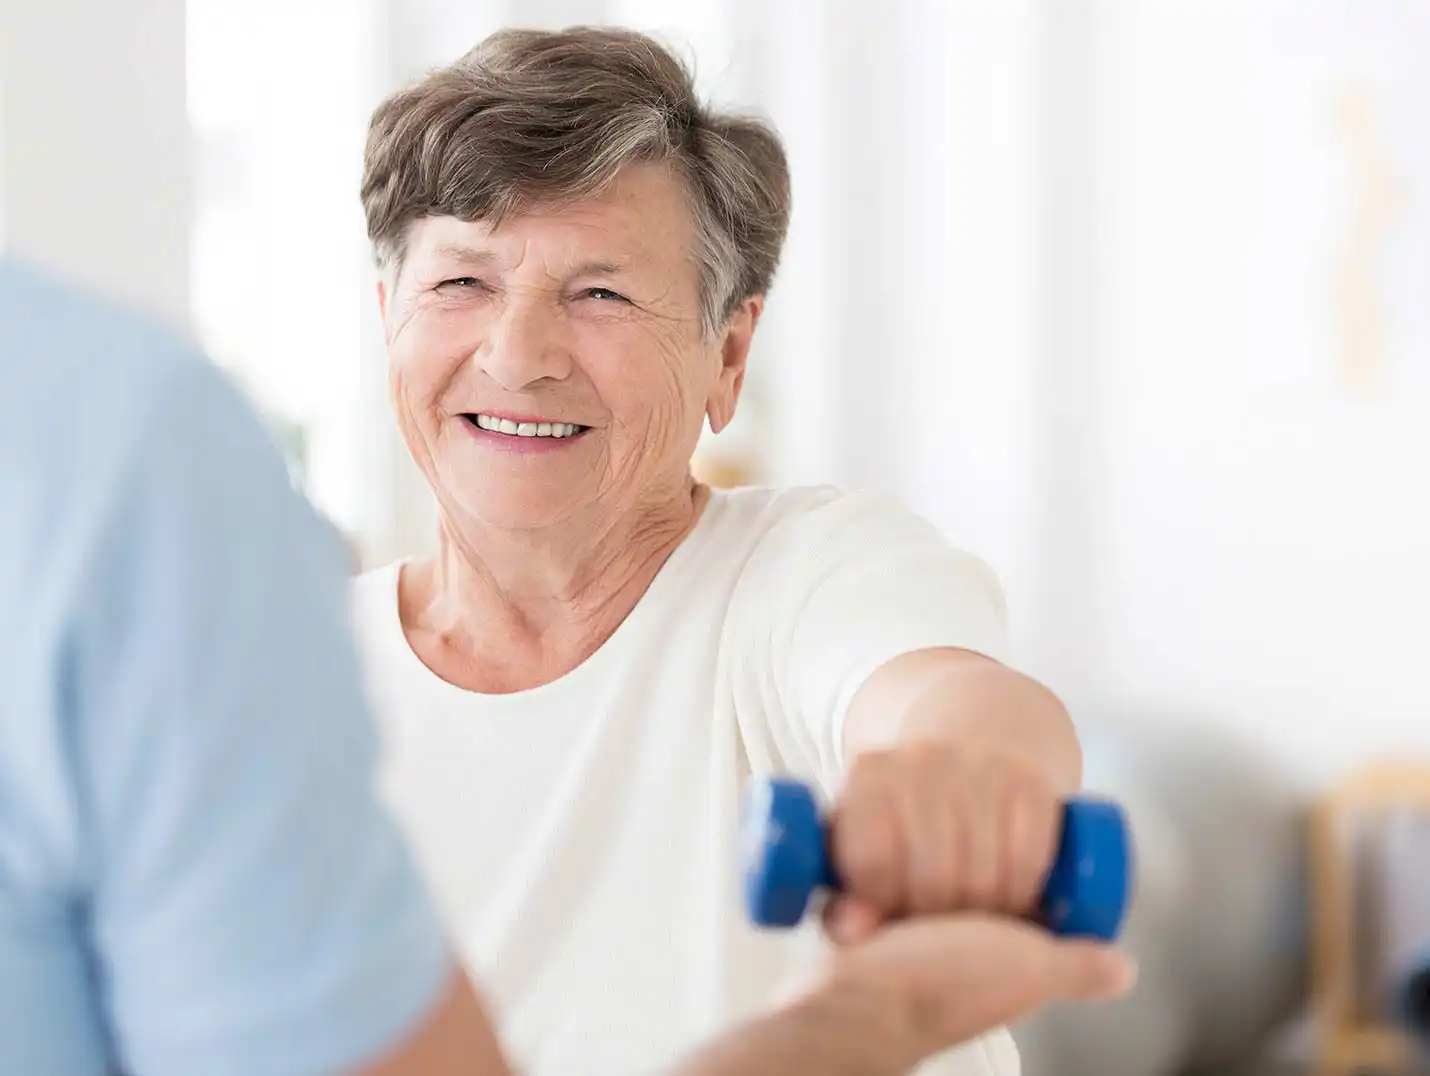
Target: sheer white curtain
{"x": 94, "y": 165}
{"x": 278, "y": 95}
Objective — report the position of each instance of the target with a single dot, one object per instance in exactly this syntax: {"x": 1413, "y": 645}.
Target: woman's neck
{"x": 498, "y": 612}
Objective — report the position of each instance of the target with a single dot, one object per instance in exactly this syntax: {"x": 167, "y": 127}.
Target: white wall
{"x": 1264, "y": 543}
{"x": 96, "y": 146}
{"x": 279, "y": 92}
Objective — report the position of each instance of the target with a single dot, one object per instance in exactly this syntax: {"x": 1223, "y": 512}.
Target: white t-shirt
{"x": 581, "y": 836}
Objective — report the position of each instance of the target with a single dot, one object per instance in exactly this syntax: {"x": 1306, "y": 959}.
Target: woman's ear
{"x": 386, "y": 296}
{"x": 739, "y": 333}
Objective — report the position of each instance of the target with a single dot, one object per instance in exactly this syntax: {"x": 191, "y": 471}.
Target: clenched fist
{"x": 934, "y": 827}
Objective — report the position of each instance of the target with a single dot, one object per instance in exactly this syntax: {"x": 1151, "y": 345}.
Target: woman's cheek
{"x": 432, "y": 357}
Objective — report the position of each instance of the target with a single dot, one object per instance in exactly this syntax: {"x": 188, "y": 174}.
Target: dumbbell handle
{"x": 785, "y": 845}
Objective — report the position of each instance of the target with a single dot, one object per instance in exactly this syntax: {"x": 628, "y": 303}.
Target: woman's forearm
{"x": 965, "y": 698}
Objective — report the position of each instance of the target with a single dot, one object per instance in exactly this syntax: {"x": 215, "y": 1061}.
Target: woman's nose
{"x": 526, "y": 344}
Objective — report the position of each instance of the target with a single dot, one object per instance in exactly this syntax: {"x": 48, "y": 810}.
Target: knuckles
{"x": 901, "y": 804}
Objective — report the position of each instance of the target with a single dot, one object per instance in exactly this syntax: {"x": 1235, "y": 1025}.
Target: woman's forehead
{"x": 640, "y": 219}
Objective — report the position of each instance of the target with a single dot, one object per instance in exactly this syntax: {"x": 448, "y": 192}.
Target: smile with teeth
{"x": 524, "y": 429}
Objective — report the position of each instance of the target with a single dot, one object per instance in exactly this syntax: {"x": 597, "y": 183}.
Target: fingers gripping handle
{"x": 786, "y": 858}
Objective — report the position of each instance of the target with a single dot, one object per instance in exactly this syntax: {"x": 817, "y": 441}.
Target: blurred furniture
{"x": 723, "y": 472}
{"x": 1218, "y": 922}
{"x": 1354, "y": 1033}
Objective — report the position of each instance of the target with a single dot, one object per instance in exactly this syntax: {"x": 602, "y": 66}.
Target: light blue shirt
{"x": 195, "y": 876}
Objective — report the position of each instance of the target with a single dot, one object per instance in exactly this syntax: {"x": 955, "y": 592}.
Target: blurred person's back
{"x": 195, "y": 875}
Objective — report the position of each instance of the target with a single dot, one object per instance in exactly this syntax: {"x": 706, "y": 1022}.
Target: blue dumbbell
{"x": 786, "y": 859}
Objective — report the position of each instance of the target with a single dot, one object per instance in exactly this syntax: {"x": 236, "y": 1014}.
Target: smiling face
{"x": 556, "y": 364}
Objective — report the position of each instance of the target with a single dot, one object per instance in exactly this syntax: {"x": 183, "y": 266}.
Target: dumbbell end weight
{"x": 786, "y": 860}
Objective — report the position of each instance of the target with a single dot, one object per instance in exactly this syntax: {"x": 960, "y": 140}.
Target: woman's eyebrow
{"x": 466, "y": 255}
{"x": 598, "y": 267}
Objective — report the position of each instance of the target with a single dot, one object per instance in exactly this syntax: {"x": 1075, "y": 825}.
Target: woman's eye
{"x": 605, "y": 294}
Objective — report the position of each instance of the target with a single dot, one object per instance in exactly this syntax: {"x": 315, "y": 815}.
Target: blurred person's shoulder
{"x": 91, "y": 388}
{"x": 112, "y": 428}
{"x": 55, "y": 334}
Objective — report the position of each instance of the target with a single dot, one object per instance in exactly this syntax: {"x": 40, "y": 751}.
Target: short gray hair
{"x": 533, "y": 118}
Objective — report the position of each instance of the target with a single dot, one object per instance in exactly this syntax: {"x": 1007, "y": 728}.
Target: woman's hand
{"x": 932, "y": 827}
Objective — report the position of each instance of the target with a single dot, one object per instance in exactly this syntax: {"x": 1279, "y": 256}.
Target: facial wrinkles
{"x": 666, "y": 343}
{"x": 413, "y": 400}
{"x": 678, "y": 384}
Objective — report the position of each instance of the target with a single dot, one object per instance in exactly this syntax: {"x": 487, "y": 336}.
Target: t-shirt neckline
{"x": 667, "y": 577}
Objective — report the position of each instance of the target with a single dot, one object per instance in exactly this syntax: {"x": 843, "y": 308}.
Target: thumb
{"x": 1087, "y": 971}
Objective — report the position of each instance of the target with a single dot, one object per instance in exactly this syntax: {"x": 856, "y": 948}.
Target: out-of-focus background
{"x": 1130, "y": 298}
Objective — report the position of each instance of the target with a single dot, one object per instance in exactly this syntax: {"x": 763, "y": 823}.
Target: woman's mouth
{"x": 511, "y": 427}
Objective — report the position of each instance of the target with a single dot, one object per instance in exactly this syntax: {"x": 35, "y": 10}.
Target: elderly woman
{"x": 575, "y": 253}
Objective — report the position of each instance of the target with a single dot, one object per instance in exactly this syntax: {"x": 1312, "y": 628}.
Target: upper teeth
{"x": 527, "y": 429}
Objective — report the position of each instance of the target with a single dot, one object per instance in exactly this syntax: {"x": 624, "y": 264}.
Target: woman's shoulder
{"x": 788, "y": 512}
{"x": 806, "y": 533}
{"x": 767, "y": 505}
